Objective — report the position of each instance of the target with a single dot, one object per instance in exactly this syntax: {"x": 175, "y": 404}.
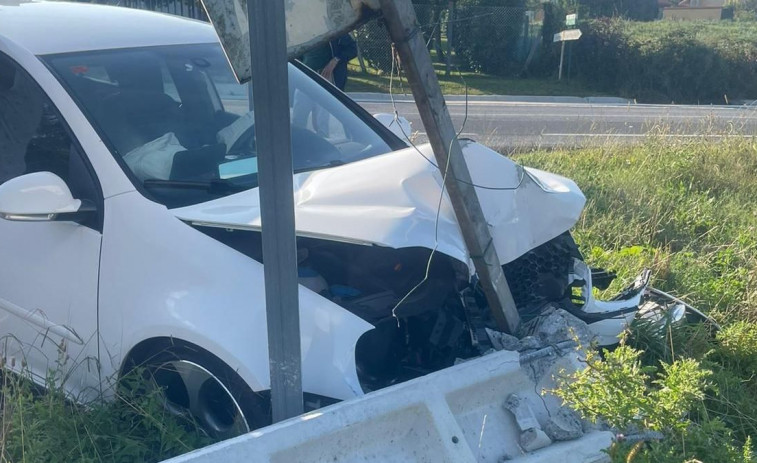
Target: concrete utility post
{"x": 416, "y": 60}
{"x": 270, "y": 77}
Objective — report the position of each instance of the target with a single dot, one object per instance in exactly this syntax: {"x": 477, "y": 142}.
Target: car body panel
{"x": 160, "y": 277}
{"x": 76, "y": 27}
{"x": 203, "y": 292}
{"x": 392, "y": 200}
{"x": 48, "y": 296}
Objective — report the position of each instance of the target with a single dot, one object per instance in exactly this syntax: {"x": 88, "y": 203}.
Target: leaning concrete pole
{"x": 416, "y": 60}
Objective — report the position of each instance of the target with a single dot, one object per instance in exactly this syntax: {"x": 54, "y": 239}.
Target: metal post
{"x": 416, "y": 60}
{"x": 268, "y": 50}
{"x": 360, "y": 59}
{"x": 562, "y": 53}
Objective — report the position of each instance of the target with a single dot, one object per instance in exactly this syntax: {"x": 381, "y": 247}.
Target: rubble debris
{"x": 524, "y": 416}
{"x": 555, "y": 325}
{"x": 502, "y": 341}
{"x": 532, "y": 437}
{"x": 529, "y": 343}
{"x": 551, "y": 350}
{"x": 552, "y": 334}
{"x": 564, "y": 425}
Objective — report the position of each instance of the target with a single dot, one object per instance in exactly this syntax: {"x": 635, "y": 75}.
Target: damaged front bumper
{"x": 608, "y": 319}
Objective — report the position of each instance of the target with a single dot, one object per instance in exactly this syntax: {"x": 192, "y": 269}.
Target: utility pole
{"x": 416, "y": 60}
{"x": 268, "y": 52}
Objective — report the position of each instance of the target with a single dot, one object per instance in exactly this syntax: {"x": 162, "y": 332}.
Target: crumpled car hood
{"x": 392, "y": 200}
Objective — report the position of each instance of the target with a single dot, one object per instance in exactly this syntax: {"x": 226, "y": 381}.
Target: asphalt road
{"x": 508, "y": 123}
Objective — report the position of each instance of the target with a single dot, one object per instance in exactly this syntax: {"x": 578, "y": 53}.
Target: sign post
{"x": 267, "y": 33}
{"x": 565, "y": 36}
{"x": 268, "y": 51}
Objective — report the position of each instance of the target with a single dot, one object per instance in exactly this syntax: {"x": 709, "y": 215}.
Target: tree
{"x": 637, "y": 10}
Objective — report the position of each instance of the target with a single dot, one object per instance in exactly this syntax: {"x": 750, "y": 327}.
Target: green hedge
{"x": 669, "y": 61}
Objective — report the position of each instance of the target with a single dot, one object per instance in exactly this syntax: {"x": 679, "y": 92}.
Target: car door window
{"x": 33, "y": 137}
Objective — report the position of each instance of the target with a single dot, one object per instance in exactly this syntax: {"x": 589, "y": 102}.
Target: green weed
{"x": 37, "y": 426}
{"x": 687, "y": 209}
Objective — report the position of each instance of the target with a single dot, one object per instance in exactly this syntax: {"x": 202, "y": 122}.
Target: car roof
{"x": 61, "y": 27}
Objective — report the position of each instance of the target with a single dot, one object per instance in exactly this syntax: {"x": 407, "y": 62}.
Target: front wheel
{"x": 197, "y": 384}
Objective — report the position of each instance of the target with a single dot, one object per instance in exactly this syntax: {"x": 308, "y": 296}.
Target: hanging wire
{"x": 441, "y": 194}
{"x": 446, "y": 167}
{"x": 457, "y": 135}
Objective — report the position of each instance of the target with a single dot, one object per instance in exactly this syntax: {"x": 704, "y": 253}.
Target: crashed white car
{"x": 130, "y": 224}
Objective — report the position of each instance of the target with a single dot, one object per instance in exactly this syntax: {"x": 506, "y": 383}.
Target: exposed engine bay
{"x": 427, "y": 311}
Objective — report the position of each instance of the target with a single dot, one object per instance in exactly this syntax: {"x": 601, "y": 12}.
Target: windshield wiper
{"x": 211, "y": 186}
{"x": 332, "y": 163}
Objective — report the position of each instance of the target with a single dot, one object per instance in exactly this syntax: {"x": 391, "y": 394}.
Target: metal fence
{"x": 499, "y": 40}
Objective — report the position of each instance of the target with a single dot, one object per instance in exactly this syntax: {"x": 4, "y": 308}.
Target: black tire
{"x": 218, "y": 397}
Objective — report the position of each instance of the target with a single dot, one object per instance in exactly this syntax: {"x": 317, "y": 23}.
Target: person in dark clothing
{"x": 330, "y": 60}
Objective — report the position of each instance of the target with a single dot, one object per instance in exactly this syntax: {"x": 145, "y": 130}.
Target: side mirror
{"x": 400, "y": 127}
{"x": 39, "y": 197}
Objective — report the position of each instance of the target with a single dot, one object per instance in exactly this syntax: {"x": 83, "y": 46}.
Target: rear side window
{"x": 33, "y": 137}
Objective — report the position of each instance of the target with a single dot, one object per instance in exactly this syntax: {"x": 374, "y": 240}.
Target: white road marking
{"x": 640, "y": 135}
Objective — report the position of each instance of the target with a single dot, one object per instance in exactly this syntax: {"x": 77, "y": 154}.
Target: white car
{"x": 130, "y": 226}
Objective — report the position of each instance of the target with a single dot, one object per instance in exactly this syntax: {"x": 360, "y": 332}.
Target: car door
{"x": 48, "y": 269}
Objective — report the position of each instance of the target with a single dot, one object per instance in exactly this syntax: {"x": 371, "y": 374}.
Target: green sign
{"x": 570, "y": 20}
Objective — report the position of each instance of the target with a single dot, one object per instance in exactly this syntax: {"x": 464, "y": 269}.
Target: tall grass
{"x": 45, "y": 426}
{"x": 687, "y": 209}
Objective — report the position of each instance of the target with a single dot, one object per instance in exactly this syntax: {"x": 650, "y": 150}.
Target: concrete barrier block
{"x": 456, "y": 415}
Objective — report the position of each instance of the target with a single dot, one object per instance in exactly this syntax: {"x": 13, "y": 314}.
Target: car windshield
{"x": 183, "y": 127}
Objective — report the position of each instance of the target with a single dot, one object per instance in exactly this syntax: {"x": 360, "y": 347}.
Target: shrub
{"x": 665, "y": 61}
{"x": 744, "y": 9}
{"x": 628, "y": 395}
{"x": 631, "y": 397}
{"x": 637, "y": 10}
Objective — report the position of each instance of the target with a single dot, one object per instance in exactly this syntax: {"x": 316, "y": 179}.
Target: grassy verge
{"x": 478, "y": 84}
{"x": 687, "y": 210}
{"x": 38, "y": 426}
